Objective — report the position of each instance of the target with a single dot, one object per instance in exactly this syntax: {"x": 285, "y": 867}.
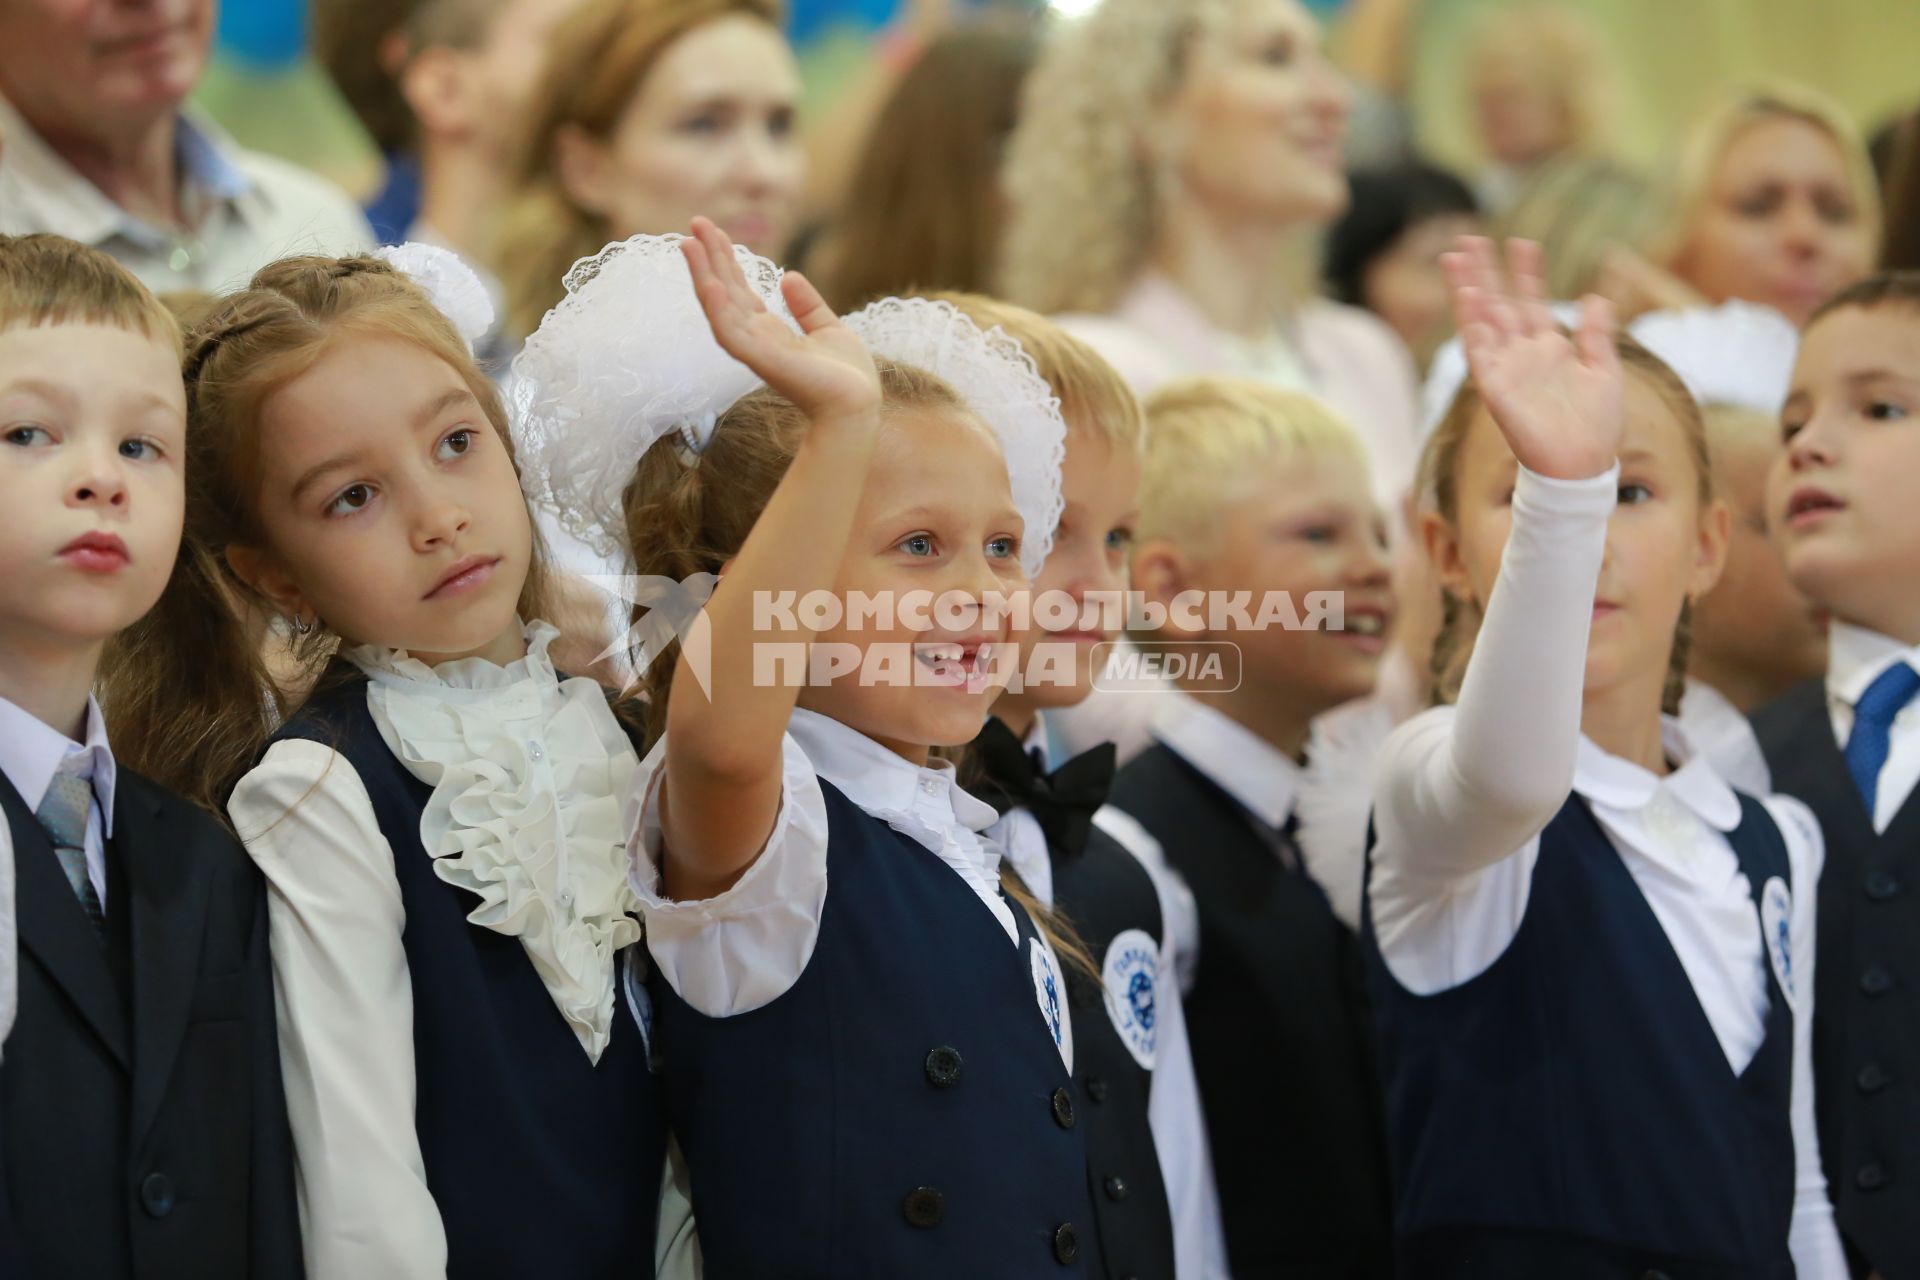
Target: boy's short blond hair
{"x": 47, "y": 279}
{"x": 1093, "y": 396}
{"x": 1206, "y": 437}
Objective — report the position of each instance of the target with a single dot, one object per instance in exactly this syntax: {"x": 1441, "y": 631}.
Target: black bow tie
{"x": 1063, "y": 802}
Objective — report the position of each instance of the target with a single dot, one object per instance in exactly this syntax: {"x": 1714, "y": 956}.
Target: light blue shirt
{"x": 31, "y": 752}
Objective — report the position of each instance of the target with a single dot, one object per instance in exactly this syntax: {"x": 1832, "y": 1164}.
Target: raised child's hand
{"x": 825, "y": 369}
{"x": 1559, "y": 401}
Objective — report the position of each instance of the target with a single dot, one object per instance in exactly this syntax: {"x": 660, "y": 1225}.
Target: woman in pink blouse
{"x": 1191, "y": 148}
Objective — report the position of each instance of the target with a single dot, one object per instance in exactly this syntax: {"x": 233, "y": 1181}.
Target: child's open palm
{"x": 1560, "y": 401}
{"x": 825, "y": 370}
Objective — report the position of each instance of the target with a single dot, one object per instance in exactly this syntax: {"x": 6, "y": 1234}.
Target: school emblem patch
{"x": 1130, "y": 975}
{"x": 1776, "y": 916}
{"x": 1050, "y": 990}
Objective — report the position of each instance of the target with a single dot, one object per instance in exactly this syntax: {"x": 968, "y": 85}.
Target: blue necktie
{"x": 1873, "y": 717}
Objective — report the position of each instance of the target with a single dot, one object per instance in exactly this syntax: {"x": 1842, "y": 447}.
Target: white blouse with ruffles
{"x": 532, "y": 782}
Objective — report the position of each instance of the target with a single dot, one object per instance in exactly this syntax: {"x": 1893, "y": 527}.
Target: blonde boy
{"x": 1261, "y": 497}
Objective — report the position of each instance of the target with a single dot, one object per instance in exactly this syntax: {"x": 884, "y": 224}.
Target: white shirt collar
{"x": 31, "y": 751}
{"x": 1856, "y": 657}
{"x": 927, "y": 804}
{"x": 1239, "y": 761}
{"x": 55, "y": 194}
{"x": 1621, "y": 785}
{"x": 463, "y": 679}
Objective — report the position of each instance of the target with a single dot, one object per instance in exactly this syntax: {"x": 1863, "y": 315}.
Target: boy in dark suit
{"x": 1841, "y": 495}
{"x": 142, "y": 1124}
{"x": 1261, "y": 496}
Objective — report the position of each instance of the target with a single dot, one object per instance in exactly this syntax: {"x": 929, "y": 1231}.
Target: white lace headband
{"x": 627, "y": 358}
{"x": 449, "y": 284}
{"x": 996, "y": 379}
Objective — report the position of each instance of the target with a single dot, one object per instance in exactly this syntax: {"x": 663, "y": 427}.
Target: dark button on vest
{"x": 943, "y": 1067}
{"x": 1116, "y": 1188}
{"x": 1866, "y": 920}
{"x": 925, "y": 1207}
{"x": 1871, "y": 1177}
{"x": 905, "y": 1175}
{"x": 1876, "y": 981}
{"x": 1658, "y": 1151}
{"x": 1104, "y": 893}
{"x": 156, "y": 1195}
{"x": 1066, "y": 1244}
{"x": 1872, "y": 1078}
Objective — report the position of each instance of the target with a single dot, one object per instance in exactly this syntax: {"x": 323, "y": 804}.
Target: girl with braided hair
{"x": 441, "y": 822}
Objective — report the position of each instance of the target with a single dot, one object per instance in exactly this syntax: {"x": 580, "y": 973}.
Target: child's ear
{"x": 1716, "y": 528}
{"x": 580, "y": 163}
{"x": 1442, "y": 542}
{"x": 262, "y": 570}
{"x": 1161, "y": 572}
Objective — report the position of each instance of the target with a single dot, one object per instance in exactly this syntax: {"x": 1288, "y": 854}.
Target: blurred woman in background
{"x": 1773, "y": 200}
{"x": 924, "y": 208}
{"x": 1172, "y": 160}
{"x": 649, "y": 112}
{"x": 1539, "y": 81}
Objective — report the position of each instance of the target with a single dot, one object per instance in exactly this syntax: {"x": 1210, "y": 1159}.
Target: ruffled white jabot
{"x": 532, "y": 784}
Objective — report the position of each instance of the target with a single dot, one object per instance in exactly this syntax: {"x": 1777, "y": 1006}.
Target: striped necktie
{"x": 63, "y": 812}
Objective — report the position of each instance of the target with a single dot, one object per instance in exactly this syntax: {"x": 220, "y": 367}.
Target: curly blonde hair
{"x": 1083, "y": 200}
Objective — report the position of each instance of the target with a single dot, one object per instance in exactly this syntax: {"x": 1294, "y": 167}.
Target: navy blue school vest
{"x": 1570, "y": 1112}
{"x": 541, "y": 1162}
{"x": 1281, "y": 1051}
{"x": 1104, "y": 892}
{"x": 901, "y": 1112}
{"x": 1866, "y": 1027}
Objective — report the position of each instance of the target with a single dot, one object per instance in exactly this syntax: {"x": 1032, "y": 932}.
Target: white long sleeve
{"x": 1180, "y": 1132}
{"x": 1459, "y": 792}
{"x": 1814, "y": 1238}
{"x": 345, "y": 1014}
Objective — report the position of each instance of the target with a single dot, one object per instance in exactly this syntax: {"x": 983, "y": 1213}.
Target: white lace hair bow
{"x": 1737, "y": 353}
{"x": 625, "y": 358}
{"x": 996, "y": 379}
{"x": 450, "y": 284}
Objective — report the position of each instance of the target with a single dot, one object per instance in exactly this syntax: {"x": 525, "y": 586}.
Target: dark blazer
{"x": 1866, "y": 1035}
{"x": 143, "y": 1126}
